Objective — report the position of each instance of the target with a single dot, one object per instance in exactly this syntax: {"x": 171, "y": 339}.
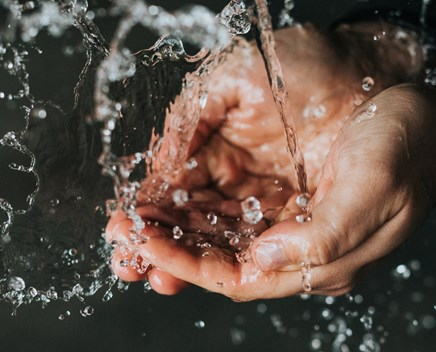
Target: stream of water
{"x": 52, "y": 247}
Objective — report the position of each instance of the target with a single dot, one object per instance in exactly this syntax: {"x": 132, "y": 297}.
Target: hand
{"x": 233, "y": 154}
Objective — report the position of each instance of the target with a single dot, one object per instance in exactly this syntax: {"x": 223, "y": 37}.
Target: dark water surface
{"x": 404, "y": 298}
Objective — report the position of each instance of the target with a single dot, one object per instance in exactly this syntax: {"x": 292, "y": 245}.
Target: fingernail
{"x": 270, "y": 255}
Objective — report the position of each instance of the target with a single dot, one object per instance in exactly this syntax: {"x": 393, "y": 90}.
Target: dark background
{"x": 148, "y": 322}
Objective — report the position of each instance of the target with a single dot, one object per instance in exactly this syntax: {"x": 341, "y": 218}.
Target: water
{"x": 86, "y": 263}
{"x": 266, "y": 45}
{"x": 107, "y": 66}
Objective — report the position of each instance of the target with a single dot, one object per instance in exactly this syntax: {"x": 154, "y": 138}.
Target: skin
{"x": 371, "y": 173}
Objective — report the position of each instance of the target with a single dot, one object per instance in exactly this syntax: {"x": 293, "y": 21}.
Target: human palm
{"x": 240, "y": 149}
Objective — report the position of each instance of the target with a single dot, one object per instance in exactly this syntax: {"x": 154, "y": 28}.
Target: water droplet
{"x": 16, "y": 283}
{"x": 302, "y": 218}
{"x": 213, "y": 219}
{"x": 402, "y": 271}
{"x": 203, "y": 100}
{"x": 327, "y": 314}
{"x": 191, "y": 164}
{"x": 234, "y": 240}
{"x": 237, "y": 336}
{"x": 235, "y": 18}
{"x": 262, "y": 308}
{"x": 303, "y": 200}
{"x": 39, "y": 113}
{"x": 87, "y": 311}
{"x": 330, "y": 300}
{"x": 177, "y": 232}
{"x": 372, "y": 108}
{"x": 107, "y": 296}
{"x": 366, "y": 320}
{"x": 199, "y": 324}
{"x": 251, "y": 212}
{"x": 180, "y": 197}
{"x": 367, "y": 83}
{"x": 147, "y": 287}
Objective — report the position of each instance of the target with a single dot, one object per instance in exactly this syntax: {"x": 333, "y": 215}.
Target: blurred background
{"x": 395, "y": 306}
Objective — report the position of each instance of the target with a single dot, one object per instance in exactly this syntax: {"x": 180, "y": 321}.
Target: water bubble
{"x": 366, "y": 320}
{"x": 237, "y": 336}
{"x": 251, "y": 212}
{"x": 430, "y": 77}
{"x": 32, "y": 291}
{"x": 277, "y": 323}
{"x": 358, "y": 299}
{"x": 235, "y": 18}
{"x": 107, "y": 296}
{"x": 402, "y": 271}
{"x": 61, "y": 317}
{"x": 177, "y": 232}
{"x": 315, "y": 344}
{"x": 429, "y": 322}
{"x": 262, "y": 308}
{"x": 147, "y": 287}
{"x": 203, "y": 100}
{"x": 372, "y": 108}
{"x": 39, "y": 113}
{"x": 191, "y": 164}
{"x": 180, "y": 197}
{"x": 285, "y": 18}
{"x": 330, "y": 300}
{"x": 367, "y": 83}
{"x": 87, "y": 311}
{"x": 327, "y": 314}
{"x": 415, "y": 265}
{"x": 213, "y": 219}
{"x": 303, "y": 200}
{"x": 16, "y": 283}
{"x": 199, "y": 324}
{"x": 302, "y": 218}
{"x": 234, "y": 241}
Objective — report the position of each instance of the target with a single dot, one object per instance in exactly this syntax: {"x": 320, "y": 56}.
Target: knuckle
{"x": 326, "y": 245}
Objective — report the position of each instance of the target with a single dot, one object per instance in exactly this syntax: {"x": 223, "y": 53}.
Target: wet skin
{"x": 371, "y": 173}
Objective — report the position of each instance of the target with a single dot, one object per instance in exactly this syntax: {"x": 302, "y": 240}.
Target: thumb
{"x": 348, "y": 211}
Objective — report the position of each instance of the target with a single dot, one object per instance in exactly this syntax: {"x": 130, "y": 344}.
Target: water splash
{"x": 285, "y": 18}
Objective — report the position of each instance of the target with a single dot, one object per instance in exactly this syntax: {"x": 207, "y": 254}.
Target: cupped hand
{"x": 371, "y": 192}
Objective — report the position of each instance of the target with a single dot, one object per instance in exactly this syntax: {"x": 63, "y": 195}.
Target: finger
{"x": 119, "y": 230}
{"x": 121, "y": 265}
{"x": 218, "y": 271}
{"x": 164, "y": 283}
{"x": 341, "y": 275}
{"x": 342, "y": 219}
{"x": 116, "y": 217}
{"x": 197, "y": 221}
